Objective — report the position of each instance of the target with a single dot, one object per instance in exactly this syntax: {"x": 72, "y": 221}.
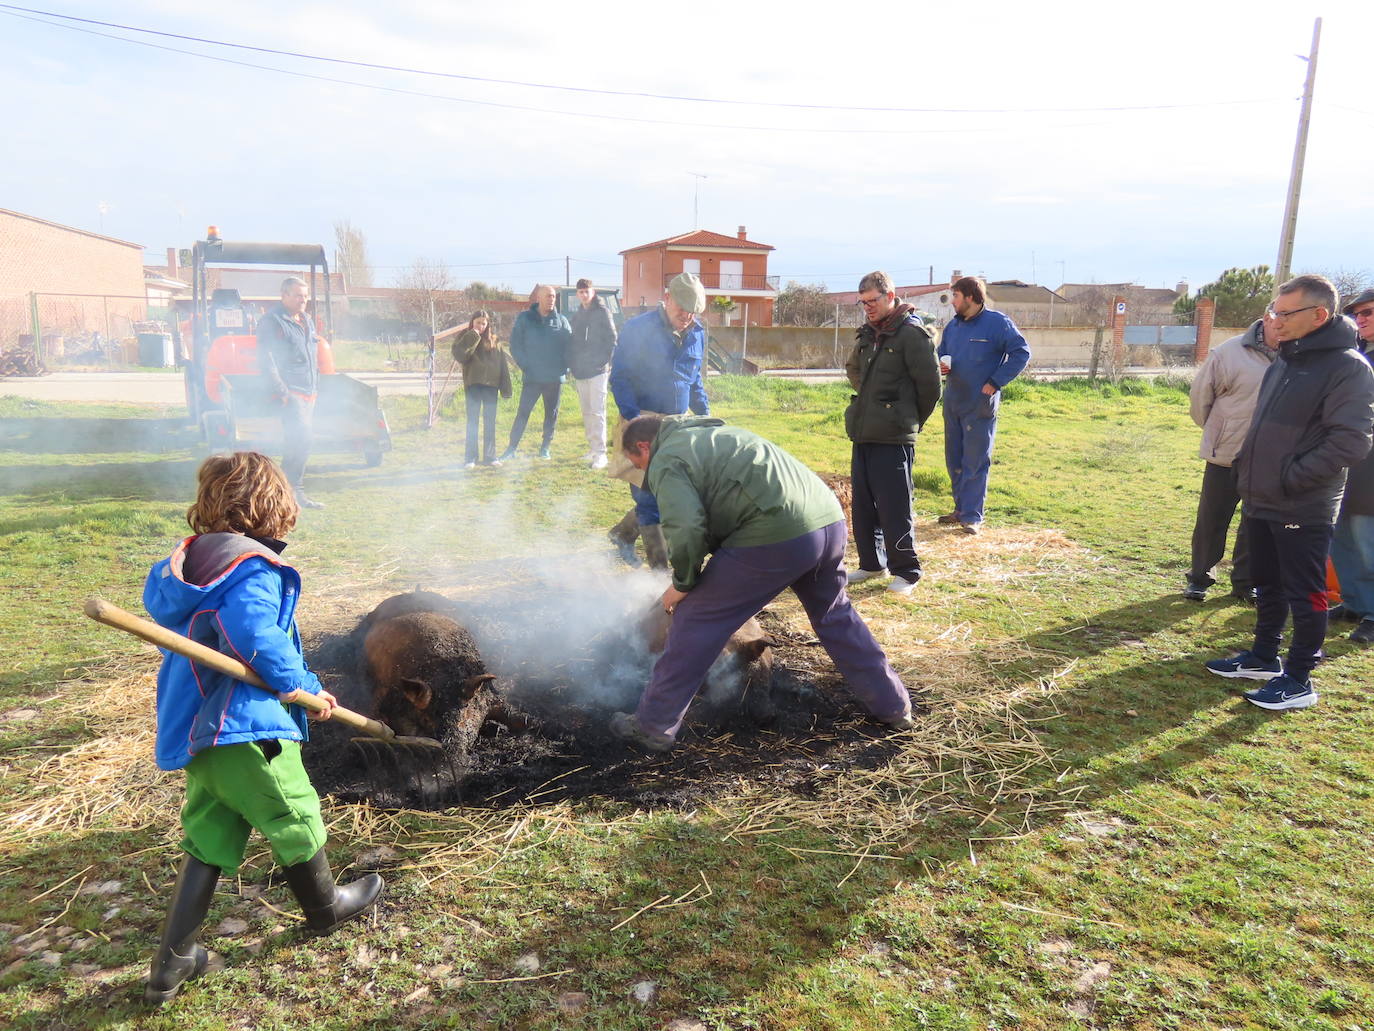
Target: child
{"x": 485, "y": 374}
{"x": 227, "y": 588}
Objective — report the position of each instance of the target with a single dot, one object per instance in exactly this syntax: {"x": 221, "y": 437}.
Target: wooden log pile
{"x": 21, "y": 361}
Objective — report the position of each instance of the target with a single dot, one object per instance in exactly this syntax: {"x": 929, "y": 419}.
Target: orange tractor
{"x": 225, "y": 393}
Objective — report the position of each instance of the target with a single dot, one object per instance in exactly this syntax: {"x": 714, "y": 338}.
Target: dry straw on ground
{"x": 973, "y": 753}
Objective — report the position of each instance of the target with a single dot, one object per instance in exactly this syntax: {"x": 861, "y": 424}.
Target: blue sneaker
{"x": 1246, "y": 665}
{"x": 1283, "y": 693}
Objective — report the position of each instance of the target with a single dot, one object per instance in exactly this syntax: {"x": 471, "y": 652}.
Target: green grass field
{"x": 1085, "y": 831}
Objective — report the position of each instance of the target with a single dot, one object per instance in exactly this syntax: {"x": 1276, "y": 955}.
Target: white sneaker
{"x": 588, "y": 456}
{"x": 470, "y": 465}
{"x": 900, "y": 586}
{"x": 600, "y": 462}
{"x": 858, "y": 576}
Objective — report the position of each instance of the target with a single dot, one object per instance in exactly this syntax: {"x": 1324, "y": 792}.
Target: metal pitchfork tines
{"x": 377, "y": 733}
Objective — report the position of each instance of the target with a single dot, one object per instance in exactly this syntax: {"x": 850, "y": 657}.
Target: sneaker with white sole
{"x": 901, "y": 586}
{"x": 469, "y": 465}
{"x": 625, "y": 725}
{"x": 858, "y": 576}
{"x": 600, "y": 462}
{"x": 1246, "y": 666}
{"x": 1283, "y": 692}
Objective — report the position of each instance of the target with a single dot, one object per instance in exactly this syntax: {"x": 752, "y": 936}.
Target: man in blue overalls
{"x": 981, "y": 351}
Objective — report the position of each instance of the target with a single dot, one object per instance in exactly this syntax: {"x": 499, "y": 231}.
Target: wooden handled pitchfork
{"x": 112, "y": 615}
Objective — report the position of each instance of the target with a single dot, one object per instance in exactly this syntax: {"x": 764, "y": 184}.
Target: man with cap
{"x": 1352, "y": 548}
{"x": 656, "y": 369}
{"x": 767, "y": 523}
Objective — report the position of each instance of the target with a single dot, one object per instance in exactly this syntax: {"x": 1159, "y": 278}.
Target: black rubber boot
{"x": 655, "y": 547}
{"x": 623, "y": 536}
{"x": 178, "y": 957}
{"x": 324, "y": 903}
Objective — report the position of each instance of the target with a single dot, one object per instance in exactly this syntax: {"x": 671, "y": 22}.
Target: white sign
{"x": 1121, "y": 307}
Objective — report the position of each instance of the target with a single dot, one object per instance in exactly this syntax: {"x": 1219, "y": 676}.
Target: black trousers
{"x": 1216, "y": 504}
{"x": 880, "y": 479}
{"x": 297, "y": 419}
{"x": 1288, "y": 563}
{"x": 530, "y": 393}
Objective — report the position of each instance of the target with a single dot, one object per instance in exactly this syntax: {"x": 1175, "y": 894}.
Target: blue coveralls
{"x": 656, "y": 369}
{"x": 987, "y": 348}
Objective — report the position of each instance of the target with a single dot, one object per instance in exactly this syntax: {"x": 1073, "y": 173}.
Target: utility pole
{"x": 1290, "y": 210}
{"x": 696, "y": 194}
{"x": 567, "y": 270}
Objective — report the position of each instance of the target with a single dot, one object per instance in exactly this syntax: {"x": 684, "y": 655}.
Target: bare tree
{"x": 350, "y": 254}
{"x": 428, "y": 287}
{"x": 1348, "y": 282}
{"x": 801, "y": 305}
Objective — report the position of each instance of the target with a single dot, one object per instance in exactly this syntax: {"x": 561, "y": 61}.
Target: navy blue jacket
{"x": 539, "y": 344}
{"x": 655, "y": 370}
{"x": 286, "y": 352}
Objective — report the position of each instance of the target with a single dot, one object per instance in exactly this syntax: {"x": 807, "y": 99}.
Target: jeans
{"x": 531, "y": 392}
{"x": 480, "y": 400}
{"x": 1352, "y": 553}
{"x": 297, "y": 419}
{"x": 1288, "y": 563}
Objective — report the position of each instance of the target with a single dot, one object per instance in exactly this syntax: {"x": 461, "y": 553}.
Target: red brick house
{"x": 729, "y": 266}
{"x": 83, "y": 281}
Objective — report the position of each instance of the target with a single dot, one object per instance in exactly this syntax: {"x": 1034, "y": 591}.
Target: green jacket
{"x": 896, "y": 380}
{"x": 482, "y": 366}
{"x": 722, "y": 486}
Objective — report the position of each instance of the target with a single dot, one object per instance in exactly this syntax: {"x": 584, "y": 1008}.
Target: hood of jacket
{"x": 198, "y": 568}
{"x": 1334, "y": 335}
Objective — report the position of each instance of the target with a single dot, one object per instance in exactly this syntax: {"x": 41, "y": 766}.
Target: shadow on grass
{"x": 76, "y": 435}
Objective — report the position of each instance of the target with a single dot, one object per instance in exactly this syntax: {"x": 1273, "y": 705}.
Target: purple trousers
{"x": 735, "y": 584}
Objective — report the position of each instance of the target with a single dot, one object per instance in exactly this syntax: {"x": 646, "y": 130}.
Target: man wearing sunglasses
{"x": 1312, "y": 421}
{"x": 1352, "y": 549}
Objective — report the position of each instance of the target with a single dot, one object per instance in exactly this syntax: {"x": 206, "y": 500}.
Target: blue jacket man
{"x": 539, "y": 344}
{"x": 657, "y": 368}
{"x": 981, "y": 351}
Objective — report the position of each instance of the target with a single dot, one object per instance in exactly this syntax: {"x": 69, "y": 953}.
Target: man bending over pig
{"x": 768, "y": 523}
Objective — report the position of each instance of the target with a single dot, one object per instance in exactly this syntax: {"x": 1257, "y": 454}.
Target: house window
{"x": 692, "y": 265}
{"x": 732, "y": 275}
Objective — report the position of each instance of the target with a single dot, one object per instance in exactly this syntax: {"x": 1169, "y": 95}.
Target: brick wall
{"x": 43, "y": 257}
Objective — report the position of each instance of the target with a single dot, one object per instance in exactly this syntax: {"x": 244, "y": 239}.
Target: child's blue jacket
{"x": 246, "y": 610}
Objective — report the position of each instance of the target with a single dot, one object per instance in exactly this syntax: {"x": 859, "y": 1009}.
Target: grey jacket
{"x": 286, "y": 352}
{"x": 1224, "y": 391}
{"x": 593, "y": 340}
{"x": 1314, "y": 418}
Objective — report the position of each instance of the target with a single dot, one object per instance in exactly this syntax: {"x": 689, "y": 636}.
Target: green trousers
{"x": 232, "y": 789}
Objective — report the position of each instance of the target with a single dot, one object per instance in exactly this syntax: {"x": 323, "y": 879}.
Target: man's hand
{"x": 989, "y": 389}
{"x": 670, "y": 599}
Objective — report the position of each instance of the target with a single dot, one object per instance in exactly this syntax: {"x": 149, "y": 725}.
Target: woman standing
{"x": 485, "y": 374}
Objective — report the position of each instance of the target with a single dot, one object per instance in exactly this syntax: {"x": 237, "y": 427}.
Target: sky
{"x": 1078, "y": 142}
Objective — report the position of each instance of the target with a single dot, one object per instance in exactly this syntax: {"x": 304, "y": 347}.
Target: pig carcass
{"x": 740, "y": 681}
{"x": 429, "y": 680}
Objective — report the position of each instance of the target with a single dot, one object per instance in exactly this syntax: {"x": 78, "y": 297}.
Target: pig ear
{"x": 418, "y": 692}
{"x": 471, "y": 684}
{"x": 751, "y": 650}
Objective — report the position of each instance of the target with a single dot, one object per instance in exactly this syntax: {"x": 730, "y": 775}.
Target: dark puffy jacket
{"x": 593, "y": 340}
{"x": 539, "y": 344}
{"x": 1313, "y": 419}
{"x": 1359, "y": 488}
{"x": 286, "y": 352}
{"x": 896, "y": 378}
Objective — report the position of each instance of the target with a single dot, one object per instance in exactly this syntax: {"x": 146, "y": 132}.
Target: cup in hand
{"x": 944, "y": 364}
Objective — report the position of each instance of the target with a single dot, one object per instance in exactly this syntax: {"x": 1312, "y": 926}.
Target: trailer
{"x": 225, "y": 393}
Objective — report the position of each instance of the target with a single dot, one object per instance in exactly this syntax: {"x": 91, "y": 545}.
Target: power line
{"x": 517, "y": 107}
{"x": 637, "y": 94}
